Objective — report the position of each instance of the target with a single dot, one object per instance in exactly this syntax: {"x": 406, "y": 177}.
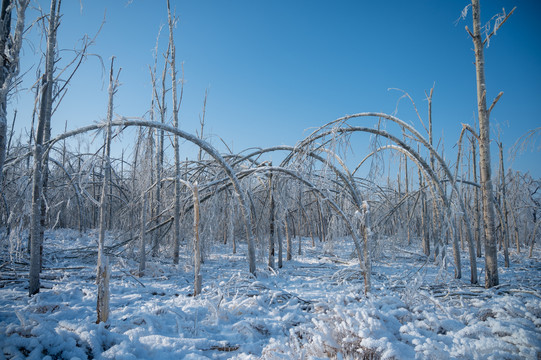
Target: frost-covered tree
{"x": 103, "y": 274}
{"x": 176, "y": 103}
{"x": 491, "y": 255}
{"x": 9, "y": 65}
{"x": 41, "y": 135}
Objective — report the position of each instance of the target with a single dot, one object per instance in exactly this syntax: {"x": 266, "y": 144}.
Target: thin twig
{"x": 499, "y": 26}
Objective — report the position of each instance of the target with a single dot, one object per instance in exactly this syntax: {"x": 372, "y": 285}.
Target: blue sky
{"x": 276, "y": 68}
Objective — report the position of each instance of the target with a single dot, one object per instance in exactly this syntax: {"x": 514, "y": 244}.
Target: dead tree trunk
{"x": 532, "y": 242}
{"x": 142, "y": 249}
{"x": 505, "y": 223}
{"x": 9, "y": 65}
{"x": 35, "y": 224}
{"x": 45, "y": 111}
{"x": 160, "y": 136}
{"x": 289, "y": 244}
{"x": 176, "y": 104}
{"x": 49, "y": 69}
{"x": 231, "y": 227}
{"x": 103, "y": 274}
{"x": 197, "y": 243}
{"x": 366, "y": 232}
{"x": 278, "y": 238}
{"x": 477, "y": 212}
{"x": 5, "y": 27}
{"x": 271, "y": 226}
{"x": 491, "y": 255}
{"x": 424, "y": 217}
{"x": 321, "y": 227}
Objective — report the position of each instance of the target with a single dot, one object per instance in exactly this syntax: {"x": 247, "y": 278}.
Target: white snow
{"x": 312, "y": 308}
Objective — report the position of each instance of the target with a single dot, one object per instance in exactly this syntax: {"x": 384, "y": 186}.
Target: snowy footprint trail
{"x": 312, "y": 308}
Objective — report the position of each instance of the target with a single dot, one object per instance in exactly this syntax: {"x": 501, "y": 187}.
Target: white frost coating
{"x": 362, "y": 216}
{"x": 366, "y": 207}
{"x": 366, "y": 214}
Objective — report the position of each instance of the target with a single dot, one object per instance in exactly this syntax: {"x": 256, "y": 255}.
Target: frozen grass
{"x": 313, "y": 308}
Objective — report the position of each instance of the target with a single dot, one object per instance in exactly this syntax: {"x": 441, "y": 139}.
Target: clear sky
{"x": 276, "y": 68}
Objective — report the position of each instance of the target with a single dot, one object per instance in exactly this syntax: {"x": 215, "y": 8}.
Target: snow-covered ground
{"x": 312, "y": 308}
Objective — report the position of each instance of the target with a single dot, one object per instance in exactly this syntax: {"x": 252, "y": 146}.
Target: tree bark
{"x": 5, "y": 28}
{"x": 197, "y": 243}
{"x": 491, "y": 255}
{"x": 103, "y": 274}
{"x": 45, "y": 111}
{"x": 271, "y": 226}
{"x": 278, "y": 239}
{"x": 33, "y": 286}
{"x": 366, "y": 230}
{"x": 231, "y": 227}
{"x": 142, "y": 249}
{"x": 424, "y": 218}
{"x": 176, "y": 221}
{"x": 289, "y": 244}
{"x": 299, "y": 226}
{"x": 477, "y": 210}
{"x": 505, "y": 224}
{"x": 49, "y": 70}
{"x": 9, "y": 68}
{"x": 159, "y": 151}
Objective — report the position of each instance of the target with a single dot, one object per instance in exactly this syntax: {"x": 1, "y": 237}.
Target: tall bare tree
{"x": 176, "y": 104}
{"x": 272, "y": 224}
{"x": 9, "y": 65}
{"x": 142, "y": 236}
{"x": 476, "y": 211}
{"x": 198, "y": 278}
{"x": 103, "y": 263}
{"x": 491, "y": 255}
{"x": 5, "y": 29}
{"x": 505, "y": 214}
{"x": 159, "y": 101}
{"x": 43, "y": 120}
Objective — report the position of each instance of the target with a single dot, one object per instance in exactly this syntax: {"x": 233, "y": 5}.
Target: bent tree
{"x": 208, "y": 148}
